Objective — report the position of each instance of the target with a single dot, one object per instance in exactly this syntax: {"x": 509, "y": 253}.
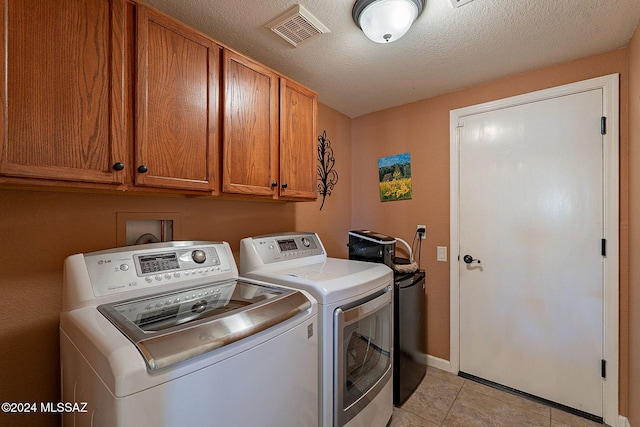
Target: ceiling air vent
{"x": 458, "y": 3}
{"x": 296, "y": 25}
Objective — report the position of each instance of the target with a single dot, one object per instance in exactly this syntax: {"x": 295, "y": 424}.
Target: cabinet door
{"x": 62, "y": 92}
{"x": 250, "y": 142}
{"x": 298, "y": 139}
{"x": 177, "y": 105}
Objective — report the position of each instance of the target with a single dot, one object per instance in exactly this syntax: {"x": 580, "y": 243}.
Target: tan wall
{"x": 333, "y": 221}
{"x": 422, "y": 128}
{"x": 633, "y": 305}
{"x": 39, "y": 229}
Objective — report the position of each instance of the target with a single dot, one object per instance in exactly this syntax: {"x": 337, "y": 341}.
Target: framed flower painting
{"x": 394, "y": 173}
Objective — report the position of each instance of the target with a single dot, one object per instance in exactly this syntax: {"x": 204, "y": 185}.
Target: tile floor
{"x": 444, "y": 399}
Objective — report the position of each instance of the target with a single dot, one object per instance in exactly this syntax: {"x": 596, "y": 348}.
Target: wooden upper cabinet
{"x": 177, "y": 94}
{"x": 298, "y": 141}
{"x": 250, "y": 129}
{"x": 114, "y": 92}
{"x": 63, "y": 90}
{"x": 269, "y": 132}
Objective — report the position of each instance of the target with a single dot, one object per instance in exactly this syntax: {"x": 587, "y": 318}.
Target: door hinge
{"x": 603, "y": 247}
{"x": 603, "y": 368}
{"x": 603, "y": 125}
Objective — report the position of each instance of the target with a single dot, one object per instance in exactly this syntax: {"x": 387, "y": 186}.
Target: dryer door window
{"x": 362, "y": 354}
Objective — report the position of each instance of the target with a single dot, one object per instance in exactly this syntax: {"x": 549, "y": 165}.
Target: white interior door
{"x": 531, "y": 211}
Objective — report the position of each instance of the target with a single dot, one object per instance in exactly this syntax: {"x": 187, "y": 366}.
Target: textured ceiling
{"x": 447, "y": 48}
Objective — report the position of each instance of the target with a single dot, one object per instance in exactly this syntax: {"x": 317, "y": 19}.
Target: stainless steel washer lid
{"x": 173, "y": 327}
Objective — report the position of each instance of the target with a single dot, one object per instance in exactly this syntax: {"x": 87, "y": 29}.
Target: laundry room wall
{"x": 332, "y": 223}
{"x": 39, "y": 229}
{"x": 422, "y": 129}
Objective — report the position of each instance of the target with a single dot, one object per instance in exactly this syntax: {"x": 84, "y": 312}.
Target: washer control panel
{"x": 150, "y": 263}
{"x": 127, "y": 269}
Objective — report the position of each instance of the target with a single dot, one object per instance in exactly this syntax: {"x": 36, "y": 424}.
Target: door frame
{"x": 610, "y": 88}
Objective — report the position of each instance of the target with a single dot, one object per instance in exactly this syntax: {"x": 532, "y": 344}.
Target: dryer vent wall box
{"x": 149, "y": 231}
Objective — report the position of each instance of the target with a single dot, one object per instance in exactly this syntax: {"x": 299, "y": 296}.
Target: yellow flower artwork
{"x": 394, "y": 173}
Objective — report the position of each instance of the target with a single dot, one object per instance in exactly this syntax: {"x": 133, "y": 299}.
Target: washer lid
{"x": 173, "y": 327}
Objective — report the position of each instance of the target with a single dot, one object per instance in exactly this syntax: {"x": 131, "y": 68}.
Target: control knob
{"x": 200, "y": 306}
{"x": 199, "y": 256}
{"x": 306, "y": 242}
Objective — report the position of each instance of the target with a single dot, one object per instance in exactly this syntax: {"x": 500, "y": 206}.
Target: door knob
{"x": 469, "y": 259}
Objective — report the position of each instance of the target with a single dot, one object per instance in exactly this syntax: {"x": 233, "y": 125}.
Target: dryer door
{"x": 362, "y": 358}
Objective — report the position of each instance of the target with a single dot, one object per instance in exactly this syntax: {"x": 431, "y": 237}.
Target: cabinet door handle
{"x": 118, "y": 166}
{"x": 284, "y": 185}
{"x": 274, "y": 184}
{"x": 143, "y": 169}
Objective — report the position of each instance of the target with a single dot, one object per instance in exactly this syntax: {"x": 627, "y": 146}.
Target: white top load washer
{"x": 166, "y": 335}
{"x": 355, "y": 301}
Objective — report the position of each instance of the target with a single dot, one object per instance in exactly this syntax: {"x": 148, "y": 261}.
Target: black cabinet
{"x": 409, "y": 335}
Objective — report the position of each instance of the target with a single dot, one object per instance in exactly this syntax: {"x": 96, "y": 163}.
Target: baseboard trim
{"x": 436, "y": 362}
{"x": 623, "y": 421}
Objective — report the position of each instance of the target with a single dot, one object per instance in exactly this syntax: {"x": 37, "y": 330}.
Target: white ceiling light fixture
{"x": 385, "y": 21}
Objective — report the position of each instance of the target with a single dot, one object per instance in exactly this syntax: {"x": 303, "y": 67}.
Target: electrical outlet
{"x": 422, "y": 228}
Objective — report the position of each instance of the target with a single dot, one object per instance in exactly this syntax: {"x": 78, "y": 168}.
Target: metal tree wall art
{"x": 326, "y": 175}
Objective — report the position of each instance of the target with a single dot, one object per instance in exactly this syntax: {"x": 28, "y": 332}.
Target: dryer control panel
{"x": 274, "y": 248}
